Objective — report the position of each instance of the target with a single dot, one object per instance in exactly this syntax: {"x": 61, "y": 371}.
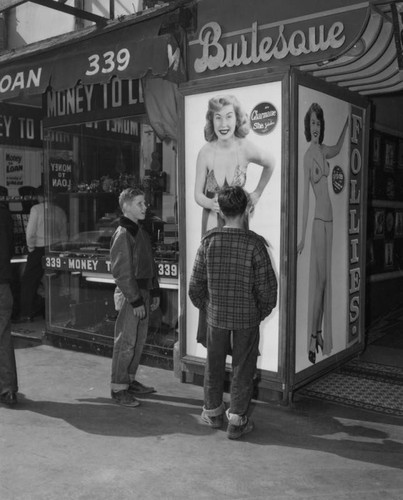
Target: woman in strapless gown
{"x": 223, "y": 161}
{"x": 316, "y": 173}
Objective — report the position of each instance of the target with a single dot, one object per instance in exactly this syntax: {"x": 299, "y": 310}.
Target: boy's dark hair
{"x": 233, "y": 201}
{"x": 128, "y": 194}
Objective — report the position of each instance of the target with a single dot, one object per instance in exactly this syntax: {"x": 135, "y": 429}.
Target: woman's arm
{"x": 332, "y": 151}
{"x": 31, "y": 229}
{"x": 265, "y": 160}
{"x": 305, "y": 201}
{"x": 201, "y": 173}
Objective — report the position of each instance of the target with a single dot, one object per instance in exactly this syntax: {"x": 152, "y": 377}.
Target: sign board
{"x": 258, "y": 35}
{"x": 129, "y": 51}
{"x": 20, "y": 125}
{"x": 89, "y": 103}
{"x": 95, "y": 264}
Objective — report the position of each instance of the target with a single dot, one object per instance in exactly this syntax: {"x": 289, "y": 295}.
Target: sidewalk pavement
{"x": 66, "y": 439}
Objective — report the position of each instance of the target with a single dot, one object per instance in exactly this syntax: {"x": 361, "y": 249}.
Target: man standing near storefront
{"x": 42, "y": 216}
{"x": 135, "y": 274}
{"x": 8, "y": 370}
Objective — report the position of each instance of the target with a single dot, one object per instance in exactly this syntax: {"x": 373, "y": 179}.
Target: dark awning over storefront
{"x": 124, "y": 50}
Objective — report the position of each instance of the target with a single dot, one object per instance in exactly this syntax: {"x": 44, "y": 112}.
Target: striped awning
{"x": 373, "y": 65}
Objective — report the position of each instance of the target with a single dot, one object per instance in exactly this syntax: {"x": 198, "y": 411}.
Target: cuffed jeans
{"x": 8, "y": 370}
{"x": 245, "y": 349}
{"x": 130, "y": 337}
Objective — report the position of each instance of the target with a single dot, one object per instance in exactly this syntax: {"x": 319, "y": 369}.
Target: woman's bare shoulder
{"x": 206, "y": 149}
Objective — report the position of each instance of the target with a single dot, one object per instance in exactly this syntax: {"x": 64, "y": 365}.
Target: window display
{"x": 87, "y": 166}
{"x": 385, "y": 196}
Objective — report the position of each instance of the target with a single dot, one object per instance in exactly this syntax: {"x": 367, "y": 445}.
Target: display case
{"x": 385, "y": 195}
{"x": 87, "y": 167}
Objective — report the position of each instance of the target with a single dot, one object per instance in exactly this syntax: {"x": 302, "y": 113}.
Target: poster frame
{"x": 298, "y": 78}
{"x": 192, "y": 367}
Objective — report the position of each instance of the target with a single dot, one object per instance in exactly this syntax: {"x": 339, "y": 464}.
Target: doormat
{"x": 363, "y": 385}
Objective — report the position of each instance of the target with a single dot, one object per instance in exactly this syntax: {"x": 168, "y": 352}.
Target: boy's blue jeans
{"x": 245, "y": 349}
{"x": 8, "y": 371}
{"x": 130, "y": 337}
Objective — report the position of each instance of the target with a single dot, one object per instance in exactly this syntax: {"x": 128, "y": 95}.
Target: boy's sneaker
{"x": 236, "y": 431}
{"x": 214, "y": 422}
{"x": 124, "y": 398}
{"x": 8, "y": 398}
{"x": 139, "y": 389}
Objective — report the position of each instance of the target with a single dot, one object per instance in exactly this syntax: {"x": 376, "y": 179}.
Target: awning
{"x": 128, "y": 50}
{"x": 371, "y": 66}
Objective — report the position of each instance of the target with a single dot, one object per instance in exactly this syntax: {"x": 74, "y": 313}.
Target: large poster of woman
{"x": 323, "y": 202}
{"x": 233, "y": 137}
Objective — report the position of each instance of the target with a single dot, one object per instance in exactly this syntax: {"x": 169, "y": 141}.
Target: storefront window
{"x": 86, "y": 168}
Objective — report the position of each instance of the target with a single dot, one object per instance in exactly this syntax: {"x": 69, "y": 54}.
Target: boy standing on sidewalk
{"x": 134, "y": 271}
{"x": 234, "y": 283}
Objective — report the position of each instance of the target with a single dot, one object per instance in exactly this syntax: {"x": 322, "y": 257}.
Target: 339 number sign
{"x": 108, "y": 62}
{"x": 168, "y": 269}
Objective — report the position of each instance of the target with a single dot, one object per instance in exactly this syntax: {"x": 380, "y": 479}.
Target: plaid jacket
{"x": 232, "y": 279}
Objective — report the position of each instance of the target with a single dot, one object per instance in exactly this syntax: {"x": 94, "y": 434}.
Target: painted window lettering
{"x": 108, "y": 62}
{"x": 53, "y": 262}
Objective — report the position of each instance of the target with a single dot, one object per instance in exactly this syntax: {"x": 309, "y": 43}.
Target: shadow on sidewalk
{"x": 367, "y": 440}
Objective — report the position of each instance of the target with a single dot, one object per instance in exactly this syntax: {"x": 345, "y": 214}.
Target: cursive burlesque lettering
{"x": 252, "y": 50}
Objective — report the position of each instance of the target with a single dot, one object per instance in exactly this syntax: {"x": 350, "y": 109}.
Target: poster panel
{"x": 329, "y": 233}
{"x": 262, "y": 104}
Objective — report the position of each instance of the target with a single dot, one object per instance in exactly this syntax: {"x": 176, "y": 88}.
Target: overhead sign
{"x": 128, "y": 52}
{"x": 258, "y": 41}
{"x": 88, "y": 103}
{"x": 20, "y": 125}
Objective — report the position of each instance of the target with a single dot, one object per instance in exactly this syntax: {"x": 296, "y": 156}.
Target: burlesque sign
{"x": 267, "y": 39}
{"x": 216, "y": 53}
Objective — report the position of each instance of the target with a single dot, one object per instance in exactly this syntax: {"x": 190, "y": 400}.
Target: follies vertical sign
{"x": 330, "y": 237}
{"x": 355, "y": 222}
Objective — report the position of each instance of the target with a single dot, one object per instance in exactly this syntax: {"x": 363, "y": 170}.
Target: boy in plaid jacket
{"x": 233, "y": 282}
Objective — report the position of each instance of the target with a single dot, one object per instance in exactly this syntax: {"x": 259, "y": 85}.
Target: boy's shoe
{"x": 214, "y": 422}
{"x": 236, "y": 431}
{"x": 8, "y": 398}
{"x": 139, "y": 389}
{"x": 124, "y": 398}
